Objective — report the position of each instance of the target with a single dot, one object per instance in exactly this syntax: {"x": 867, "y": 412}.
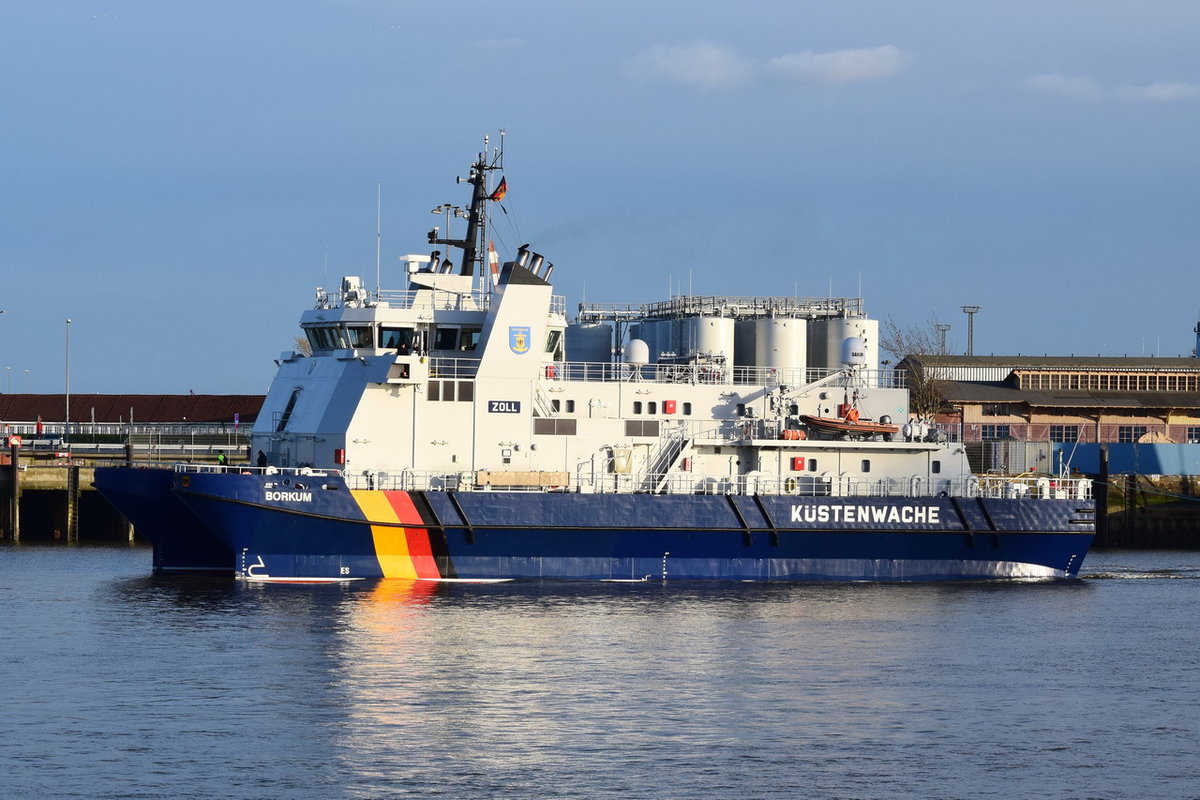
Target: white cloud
{"x": 713, "y": 66}
{"x": 1082, "y": 87}
{"x": 1159, "y": 92}
{"x": 703, "y": 65}
{"x": 839, "y": 66}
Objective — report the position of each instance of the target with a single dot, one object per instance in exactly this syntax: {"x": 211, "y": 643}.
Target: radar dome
{"x": 854, "y": 352}
{"x": 637, "y": 352}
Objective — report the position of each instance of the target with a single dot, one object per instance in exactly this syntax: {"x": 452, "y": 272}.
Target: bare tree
{"x": 926, "y": 385}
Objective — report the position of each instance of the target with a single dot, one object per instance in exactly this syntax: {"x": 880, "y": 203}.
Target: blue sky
{"x": 177, "y": 177}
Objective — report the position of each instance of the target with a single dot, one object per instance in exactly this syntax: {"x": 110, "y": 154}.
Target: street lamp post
{"x": 67, "y": 421}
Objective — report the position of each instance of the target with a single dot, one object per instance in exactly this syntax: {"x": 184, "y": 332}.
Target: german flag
{"x": 500, "y": 191}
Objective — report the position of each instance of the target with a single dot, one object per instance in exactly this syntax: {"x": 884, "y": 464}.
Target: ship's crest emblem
{"x": 518, "y": 339}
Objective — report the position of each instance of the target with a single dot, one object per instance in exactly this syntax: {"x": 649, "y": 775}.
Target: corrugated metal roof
{"x": 145, "y": 407}
{"x": 1062, "y": 362}
{"x": 966, "y": 392}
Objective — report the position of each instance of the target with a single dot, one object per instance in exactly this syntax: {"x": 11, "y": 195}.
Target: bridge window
{"x": 445, "y": 339}
{"x": 468, "y": 338}
{"x": 402, "y": 340}
{"x": 327, "y": 337}
{"x": 360, "y": 336}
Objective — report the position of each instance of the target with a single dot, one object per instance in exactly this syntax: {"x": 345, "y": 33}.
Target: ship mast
{"x": 472, "y": 242}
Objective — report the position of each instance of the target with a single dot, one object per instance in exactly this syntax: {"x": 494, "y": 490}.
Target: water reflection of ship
{"x": 393, "y": 592}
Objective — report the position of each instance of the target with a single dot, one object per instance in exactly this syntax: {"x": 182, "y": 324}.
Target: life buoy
{"x": 790, "y": 485}
{"x": 549, "y": 370}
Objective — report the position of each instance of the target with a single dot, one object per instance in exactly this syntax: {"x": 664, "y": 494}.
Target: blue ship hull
{"x": 315, "y": 528}
{"x": 182, "y": 543}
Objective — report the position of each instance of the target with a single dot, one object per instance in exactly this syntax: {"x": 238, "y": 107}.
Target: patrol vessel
{"x": 464, "y": 428}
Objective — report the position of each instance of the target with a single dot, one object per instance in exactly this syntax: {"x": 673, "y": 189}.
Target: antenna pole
{"x": 378, "y": 234}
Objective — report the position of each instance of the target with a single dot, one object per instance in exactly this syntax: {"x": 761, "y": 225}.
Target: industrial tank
{"x": 826, "y": 337}
{"x": 780, "y": 344}
{"x": 711, "y": 335}
{"x": 589, "y": 342}
{"x": 744, "y": 342}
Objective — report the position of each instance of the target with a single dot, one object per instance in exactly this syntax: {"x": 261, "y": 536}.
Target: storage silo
{"x": 827, "y": 335}
{"x": 780, "y": 343}
{"x": 744, "y": 336}
{"x": 711, "y": 335}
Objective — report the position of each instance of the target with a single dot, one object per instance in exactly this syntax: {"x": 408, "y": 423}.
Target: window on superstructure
{"x": 866, "y": 465}
{"x": 445, "y": 339}
{"x": 325, "y": 337}
{"x": 448, "y": 390}
{"x": 434, "y": 390}
{"x": 812, "y": 465}
{"x": 360, "y": 337}
{"x": 570, "y": 406}
{"x": 1193, "y": 434}
{"x": 641, "y": 427}
{"x": 466, "y": 391}
{"x": 547, "y": 426}
{"x": 555, "y": 406}
{"x": 284, "y": 417}
{"x": 468, "y": 339}
{"x": 687, "y": 408}
{"x": 652, "y": 407}
{"x": 935, "y": 467}
{"x": 552, "y": 341}
{"x": 637, "y": 406}
{"x": 402, "y": 340}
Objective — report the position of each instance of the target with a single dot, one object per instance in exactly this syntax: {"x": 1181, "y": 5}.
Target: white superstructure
{"x": 466, "y": 380}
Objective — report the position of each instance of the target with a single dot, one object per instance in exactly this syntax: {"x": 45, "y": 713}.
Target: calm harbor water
{"x": 117, "y": 684}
